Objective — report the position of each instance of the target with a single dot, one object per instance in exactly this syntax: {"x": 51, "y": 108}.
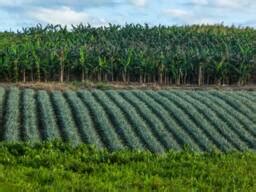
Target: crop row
{"x": 152, "y": 120}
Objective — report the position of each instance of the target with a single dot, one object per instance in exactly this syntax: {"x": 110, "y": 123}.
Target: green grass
{"x": 54, "y": 166}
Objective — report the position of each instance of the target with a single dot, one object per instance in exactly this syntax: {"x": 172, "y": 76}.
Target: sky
{"x": 15, "y": 14}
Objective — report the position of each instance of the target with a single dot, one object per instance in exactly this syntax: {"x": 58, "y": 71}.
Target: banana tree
{"x": 83, "y": 61}
{"x": 125, "y": 63}
{"x": 14, "y": 59}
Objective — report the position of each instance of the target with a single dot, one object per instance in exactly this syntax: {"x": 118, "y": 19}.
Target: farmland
{"x": 54, "y": 166}
{"x": 128, "y": 108}
{"x": 132, "y": 119}
{"x": 197, "y": 54}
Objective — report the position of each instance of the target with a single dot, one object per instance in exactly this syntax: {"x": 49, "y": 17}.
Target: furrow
{"x": 220, "y": 113}
{"x": 150, "y": 119}
{"x": 245, "y": 116}
{"x": 64, "y": 118}
{"x": 83, "y": 120}
{"x": 190, "y": 116}
{"x": 106, "y": 131}
{"x": 248, "y": 103}
{"x": 47, "y": 122}
{"x": 183, "y": 129}
{"x": 248, "y": 95}
{"x": 231, "y": 119}
{"x": 137, "y": 123}
{"x": 2, "y": 105}
{"x": 199, "y": 120}
{"x": 11, "y": 117}
{"x": 122, "y": 127}
{"x": 172, "y": 139}
{"x": 29, "y": 123}
{"x": 215, "y": 124}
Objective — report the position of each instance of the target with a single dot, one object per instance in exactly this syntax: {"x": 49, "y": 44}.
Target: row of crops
{"x": 139, "y": 53}
{"x": 134, "y": 119}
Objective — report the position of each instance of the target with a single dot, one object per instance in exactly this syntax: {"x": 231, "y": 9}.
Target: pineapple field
{"x": 132, "y": 119}
{"x": 128, "y": 108}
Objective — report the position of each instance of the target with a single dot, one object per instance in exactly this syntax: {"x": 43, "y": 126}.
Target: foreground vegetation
{"x": 166, "y": 55}
{"x": 132, "y": 119}
{"x": 61, "y": 167}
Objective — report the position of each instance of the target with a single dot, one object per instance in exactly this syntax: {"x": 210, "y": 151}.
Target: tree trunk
{"x": 61, "y": 73}
{"x": 178, "y": 80}
{"x": 68, "y": 75}
{"x": 31, "y": 75}
{"x": 124, "y": 76}
{"x": 112, "y": 76}
{"x": 141, "y": 78}
{"x": 99, "y": 76}
{"x": 166, "y": 78}
{"x": 105, "y": 77}
{"x": 82, "y": 76}
{"x": 128, "y": 77}
{"x": 161, "y": 78}
{"x": 24, "y": 76}
{"x": 38, "y": 76}
{"x": 200, "y": 76}
{"x": 16, "y": 73}
{"x": 45, "y": 76}
{"x": 208, "y": 79}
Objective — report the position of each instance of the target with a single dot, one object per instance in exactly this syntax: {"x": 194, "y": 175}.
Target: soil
{"x": 49, "y": 86}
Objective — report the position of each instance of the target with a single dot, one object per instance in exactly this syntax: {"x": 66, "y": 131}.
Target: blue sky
{"x": 15, "y": 14}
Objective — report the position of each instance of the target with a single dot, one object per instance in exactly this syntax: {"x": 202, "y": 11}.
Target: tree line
{"x": 197, "y": 54}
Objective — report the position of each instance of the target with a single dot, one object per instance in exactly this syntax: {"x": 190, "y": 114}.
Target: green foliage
{"x": 46, "y": 118}
{"x": 210, "y": 121}
{"x": 234, "y": 119}
{"x": 11, "y": 118}
{"x": 83, "y": 120}
{"x": 30, "y": 131}
{"x": 143, "y": 131}
{"x": 203, "y": 54}
{"x": 131, "y": 119}
{"x": 64, "y": 118}
{"x": 102, "y": 124}
{"x": 119, "y": 121}
{"x": 155, "y": 125}
{"x": 55, "y": 166}
{"x": 183, "y": 123}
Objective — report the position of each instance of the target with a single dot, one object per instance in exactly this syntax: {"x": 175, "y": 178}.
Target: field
{"x": 131, "y": 119}
{"x": 60, "y": 167}
{"x": 180, "y": 55}
{"x": 128, "y": 108}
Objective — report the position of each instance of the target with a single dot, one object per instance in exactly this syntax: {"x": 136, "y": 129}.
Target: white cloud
{"x": 209, "y": 21}
{"x": 139, "y": 3}
{"x": 65, "y": 16}
{"x": 200, "y": 2}
{"x": 224, "y": 4}
{"x": 229, "y": 3}
{"x": 14, "y": 2}
{"x": 189, "y": 17}
{"x": 178, "y": 13}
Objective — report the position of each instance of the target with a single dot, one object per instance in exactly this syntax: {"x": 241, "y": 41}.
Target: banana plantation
{"x": 198, "y": 54}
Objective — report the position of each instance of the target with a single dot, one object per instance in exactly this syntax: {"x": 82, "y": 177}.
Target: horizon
{"x": 16, "y": 14}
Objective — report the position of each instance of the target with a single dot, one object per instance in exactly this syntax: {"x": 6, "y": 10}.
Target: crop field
{"x": 127, "y": 106}
{"x": 197, "y": 54}
{"x": 131, "y": 119}
{"x": 56, "y": 166}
